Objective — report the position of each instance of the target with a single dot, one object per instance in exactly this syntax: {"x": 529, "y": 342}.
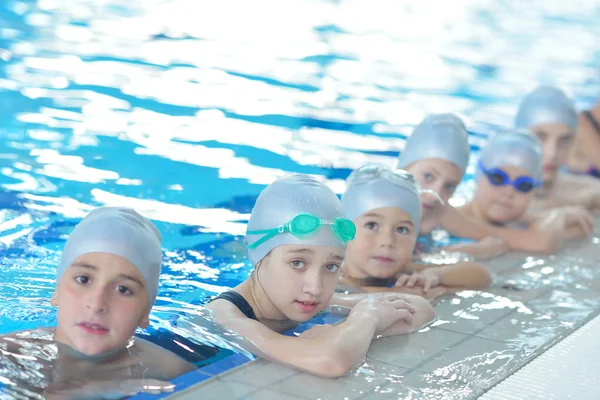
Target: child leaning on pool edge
{"x": 296, "y": 238}
{"x": 385, "y": 205}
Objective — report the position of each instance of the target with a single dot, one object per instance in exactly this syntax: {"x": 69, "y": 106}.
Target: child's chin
{"x": 93, "y": 351}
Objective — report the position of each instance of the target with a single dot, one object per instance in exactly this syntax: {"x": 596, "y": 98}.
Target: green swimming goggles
{"x": 303, "y": 225}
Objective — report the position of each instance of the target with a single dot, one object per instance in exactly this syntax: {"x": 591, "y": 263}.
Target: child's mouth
{"x": 384, "y": 259}
{"x": 307, "y": 306}
{"x": 94, "y": 329}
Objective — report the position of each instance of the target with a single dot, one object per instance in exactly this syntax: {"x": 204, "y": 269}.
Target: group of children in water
{"x": 312, "y": 250}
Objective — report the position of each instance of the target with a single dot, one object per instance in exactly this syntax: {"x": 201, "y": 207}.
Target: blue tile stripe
{"x": 235, "y": 360}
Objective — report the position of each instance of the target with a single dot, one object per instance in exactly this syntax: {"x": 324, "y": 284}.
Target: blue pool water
{"x": 185, "y": 111}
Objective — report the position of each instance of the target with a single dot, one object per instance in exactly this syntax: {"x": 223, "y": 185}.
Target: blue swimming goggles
{"x": 303, "y": 225}
{"x": 499, "y": 177}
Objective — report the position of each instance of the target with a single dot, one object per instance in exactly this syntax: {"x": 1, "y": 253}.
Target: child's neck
{"x": 67, "y": 353}
{"x": 264, "y": 309}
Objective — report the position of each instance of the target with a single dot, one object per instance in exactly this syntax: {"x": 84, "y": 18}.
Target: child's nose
{"x": 97, "y": 300}
{"x": 386, "y": 239}
{"x": 313, "y": 282}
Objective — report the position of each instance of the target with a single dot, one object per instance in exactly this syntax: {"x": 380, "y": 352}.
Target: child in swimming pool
{"x": 296, "y": 239}
{"x": 386, "y": 208}
{"x": 508, "y": 171}
{"x": 106, "y": 285}
{"x": 551, "y": 116}
{"x": 584, "y": 155}
{"x": 437, "y": 154}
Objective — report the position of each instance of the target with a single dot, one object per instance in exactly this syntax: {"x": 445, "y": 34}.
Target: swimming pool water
{"x": 186, "y": 110}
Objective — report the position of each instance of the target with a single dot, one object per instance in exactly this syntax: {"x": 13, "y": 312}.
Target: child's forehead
{"x": 391, "y": 214}
{"x": 105, "y": 264}
{"x": 311, "y": 250}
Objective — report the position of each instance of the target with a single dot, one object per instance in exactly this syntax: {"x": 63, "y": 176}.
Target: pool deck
{"x": 479, "y": 339}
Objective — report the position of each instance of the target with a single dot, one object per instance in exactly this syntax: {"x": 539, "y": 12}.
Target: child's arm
{"x": 464, "y": 275}
{"x": 162, "y": 364}
{"x": 529, "y": 240}
{"x": 330, "y": 352}
{"x": 417, "y": 291}
{"x": 485, "y": 248}
{"x": 578, "y": 221}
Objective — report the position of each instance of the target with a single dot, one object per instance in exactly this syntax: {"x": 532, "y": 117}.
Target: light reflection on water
{"x": 186, "y": 111}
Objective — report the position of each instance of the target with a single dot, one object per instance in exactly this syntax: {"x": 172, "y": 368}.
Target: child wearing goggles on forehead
{"x": 297, "y": 238}
{"x": 386, "y": 208}
{"x": 437, "y": 154}
{"x": 508, "y": 172}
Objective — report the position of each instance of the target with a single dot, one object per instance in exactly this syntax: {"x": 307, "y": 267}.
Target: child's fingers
{"x": 414, "y": 278}
{"x": 401, "y": 281}
{"x": 427, "y": 285}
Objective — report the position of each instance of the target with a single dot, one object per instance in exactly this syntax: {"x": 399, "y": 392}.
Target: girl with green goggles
{"x": 296, "y": 238}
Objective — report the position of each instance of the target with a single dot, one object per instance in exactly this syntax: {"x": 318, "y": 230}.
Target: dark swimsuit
{"x": 239, "y": 301}
{"x": 593, "y": 171}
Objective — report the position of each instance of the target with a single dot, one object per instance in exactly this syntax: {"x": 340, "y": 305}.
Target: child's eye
{"x": 403, "y": 230}
{"x": 82, "y": 279}
{"x": 428, "y": 176}
{"x": 297, "y": 264}
{"x": 371, "y": 225}
{"x": 565, "y": 141}
{"x": 332, "y": 268}
{"x": 450, "y": 187}
{"x": 124, "y": 290}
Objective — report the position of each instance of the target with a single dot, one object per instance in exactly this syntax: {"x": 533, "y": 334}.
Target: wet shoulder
{"x": 161, "y": 363}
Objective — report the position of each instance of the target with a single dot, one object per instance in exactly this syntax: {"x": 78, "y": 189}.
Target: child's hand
{"x": 577, "y": 215}
{"x": 553, "y": 227}
{"x": 427, "y": 278}
{"x": 386, "y": 309}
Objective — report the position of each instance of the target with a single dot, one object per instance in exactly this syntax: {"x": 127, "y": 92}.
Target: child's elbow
{"x": 335, "y": 365}
{"x": 484, "y": 276}
{"x": 545, "y": 246}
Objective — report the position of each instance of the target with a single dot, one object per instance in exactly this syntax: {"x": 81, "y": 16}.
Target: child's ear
{"x": 145, "y": 321}
{"x": 54, "y": 300}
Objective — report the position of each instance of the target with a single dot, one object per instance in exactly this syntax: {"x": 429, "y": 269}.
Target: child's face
{"x": 300, "y": 280}
{"x": 101, "y": 299}
{"x": 502, "y": 204}
{"x": 556, "y": 141}
{"x": 438, "y": 175}
{"x": 384, "y": 243}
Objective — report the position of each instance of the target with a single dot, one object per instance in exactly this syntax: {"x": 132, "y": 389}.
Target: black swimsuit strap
{"x": 239, "y": 301}
{"x": 593, "y": 121}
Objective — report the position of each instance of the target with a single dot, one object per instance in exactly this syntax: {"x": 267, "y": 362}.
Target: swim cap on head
{"x": 120, "y": 231}
{"x": 283, "y": 200}
{"x": 516, "y": 149}
{"x": 375, "y": 186}
{"x": 437, "y": 136}
{"x": 546, "y": 105}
